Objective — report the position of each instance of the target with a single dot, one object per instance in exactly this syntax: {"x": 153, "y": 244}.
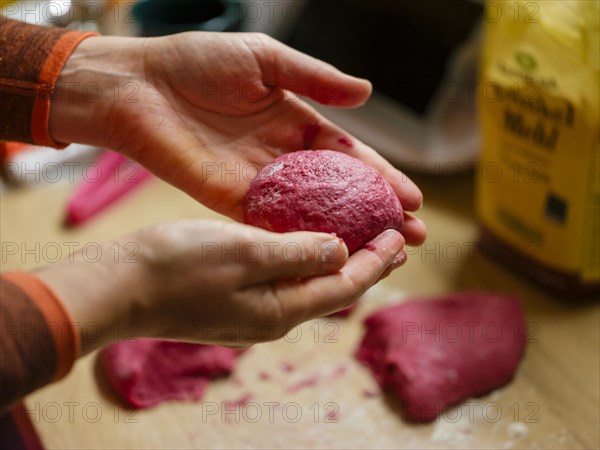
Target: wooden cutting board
{"x": 307, "y": 390}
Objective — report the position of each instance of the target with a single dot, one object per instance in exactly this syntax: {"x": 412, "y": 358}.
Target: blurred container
{"x": 162, "y": 17}
{"x": 420, "y": 56}
{"x": 539, "y": 178}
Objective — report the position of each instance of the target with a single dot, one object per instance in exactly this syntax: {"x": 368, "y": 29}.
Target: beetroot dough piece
{"x": 146, "y": 372}
{"x": 323, "y": 190}
{"x": 437, "y": 352}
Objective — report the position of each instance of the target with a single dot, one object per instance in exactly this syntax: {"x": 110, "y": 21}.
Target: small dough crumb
{"x": 517, "y": 430}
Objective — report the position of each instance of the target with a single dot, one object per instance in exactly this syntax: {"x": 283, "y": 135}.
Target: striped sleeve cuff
{"x": 40, "y": 339}
{"x": 31, "y": 59}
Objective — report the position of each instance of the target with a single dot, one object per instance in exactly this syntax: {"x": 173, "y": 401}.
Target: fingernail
{"x": 399, "y": 259}
{"x": 381, "y": 237}
{"x": 333, "y": 251}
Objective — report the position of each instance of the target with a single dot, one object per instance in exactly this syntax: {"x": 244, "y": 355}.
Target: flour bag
{"x": 538, "y": 181}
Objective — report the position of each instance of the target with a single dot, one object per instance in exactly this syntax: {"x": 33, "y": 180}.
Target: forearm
{"x": 103, "y": 292}
{"x": 54, "y": 315}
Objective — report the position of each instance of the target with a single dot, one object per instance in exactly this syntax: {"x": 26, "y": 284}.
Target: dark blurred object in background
{"x": 162, "y": 17}
{"x": 421, "y": 57}
{"x": 402, "y": 46}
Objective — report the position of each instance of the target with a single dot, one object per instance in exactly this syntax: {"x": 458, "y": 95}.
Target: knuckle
{"x": 260, "y": 36}
{"x": 351, "y": 299}
{"x": 350, "y": 289}
{"x": 307, "y": 258}
{"x": 259, "y": 39}
{"x": 244, "y": 235}
{"x": 159, "y": 236}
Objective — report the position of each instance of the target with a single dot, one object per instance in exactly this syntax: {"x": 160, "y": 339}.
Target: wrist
{"x": 99, "y": 74}
{"x": 104, "y": 294}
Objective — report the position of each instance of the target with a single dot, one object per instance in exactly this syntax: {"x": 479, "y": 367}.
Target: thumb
{"x": 298, "y": 255}
{"x": 304, "y": 75}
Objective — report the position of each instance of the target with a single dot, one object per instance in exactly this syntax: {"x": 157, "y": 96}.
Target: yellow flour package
{"x": 538, "y": 181}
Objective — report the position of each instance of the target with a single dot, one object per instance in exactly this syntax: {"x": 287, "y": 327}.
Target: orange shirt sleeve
{"x": 40, "y": 341}
{"x": 31, "y": 58}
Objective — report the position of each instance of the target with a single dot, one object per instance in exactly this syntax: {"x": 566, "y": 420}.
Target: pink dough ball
{"x": 326, "y": 191}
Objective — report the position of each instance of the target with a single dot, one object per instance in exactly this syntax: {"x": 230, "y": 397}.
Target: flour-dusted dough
{"x": 433, "y": 353}
{"x": 146, "y": 372}
{"x": 323, "y": 190}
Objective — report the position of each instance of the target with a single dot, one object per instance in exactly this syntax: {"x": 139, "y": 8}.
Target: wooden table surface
{"x": 553, "y": 401}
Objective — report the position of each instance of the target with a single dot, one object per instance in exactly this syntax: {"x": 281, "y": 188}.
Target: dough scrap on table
{"x": 433, "y": 353}
{"x": 146, "y": 372}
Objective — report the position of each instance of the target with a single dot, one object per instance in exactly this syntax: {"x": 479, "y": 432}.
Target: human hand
{"x": 204, "y": 111}
{"x": 217, "y": 282}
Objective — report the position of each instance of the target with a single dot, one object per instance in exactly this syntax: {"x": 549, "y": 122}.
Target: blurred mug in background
{"x": 162, "y": 17}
